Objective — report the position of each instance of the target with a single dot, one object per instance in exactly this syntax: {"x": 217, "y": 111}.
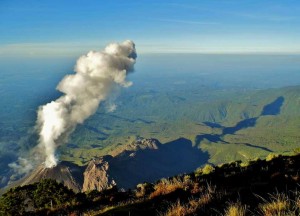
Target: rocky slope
{"x": 68, "y": 173}
{"x": 96, "y": 175}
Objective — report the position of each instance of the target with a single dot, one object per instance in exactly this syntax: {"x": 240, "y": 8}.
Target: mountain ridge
{"x": 107, "y": 171}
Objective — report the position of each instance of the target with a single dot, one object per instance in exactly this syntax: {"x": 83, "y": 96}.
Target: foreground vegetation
{"x": 262, "y": 187}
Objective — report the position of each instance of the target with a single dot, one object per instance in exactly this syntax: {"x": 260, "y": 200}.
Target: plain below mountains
{"x": 229, "y": 124}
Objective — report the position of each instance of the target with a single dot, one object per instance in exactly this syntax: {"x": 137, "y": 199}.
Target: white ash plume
{"x": 97, "y": 74}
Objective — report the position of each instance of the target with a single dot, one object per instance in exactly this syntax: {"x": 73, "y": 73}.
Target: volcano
{"x": 145, "y": 160}
{"x": 68, "y": 173}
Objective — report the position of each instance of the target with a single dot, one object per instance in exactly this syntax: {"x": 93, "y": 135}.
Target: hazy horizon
{"x": 55, "y": 28}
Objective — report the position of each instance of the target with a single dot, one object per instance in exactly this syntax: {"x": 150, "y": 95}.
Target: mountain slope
{"x": 260, "y": 188}
{"x": 69, "y": 174}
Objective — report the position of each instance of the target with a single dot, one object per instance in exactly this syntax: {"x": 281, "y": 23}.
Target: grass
{"x": 166, "y": 186}
{"x": 178, "y": 209}
{"x": 281, "y": 204}
{"x": 193, "y": 205}
{"x": 235, "y": 209}
{"x": 278, "y": 204}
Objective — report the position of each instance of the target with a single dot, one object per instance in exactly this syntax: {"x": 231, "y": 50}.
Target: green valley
{"x": 229, "y": 123}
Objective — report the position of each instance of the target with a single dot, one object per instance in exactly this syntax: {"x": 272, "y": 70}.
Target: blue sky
{"x": 70, "y": 27}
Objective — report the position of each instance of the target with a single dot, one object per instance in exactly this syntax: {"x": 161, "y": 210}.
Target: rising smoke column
{"x": 96, "y": 75}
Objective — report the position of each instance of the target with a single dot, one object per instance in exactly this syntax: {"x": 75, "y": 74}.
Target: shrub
{"x": 93, "y": 195}
{"x": 12, "y": 202}
{"x": 207, "y": 169}
{"x": 143, "y": 189}
{"x": 48, "y": 192}
{"x": 45, "y": 194}
{"x": 245, "y": 164}
{"x": 271, "y": 156}
{"x": 297, "y": 151}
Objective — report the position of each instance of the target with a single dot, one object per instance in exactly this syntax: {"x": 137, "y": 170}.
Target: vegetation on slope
{"x": 262, "y": 187}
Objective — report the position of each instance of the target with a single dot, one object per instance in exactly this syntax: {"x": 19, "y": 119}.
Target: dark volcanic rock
{"x": 151, "y": 161}
{"x": 96, "y": 175}
{"x": 67, "y": 173}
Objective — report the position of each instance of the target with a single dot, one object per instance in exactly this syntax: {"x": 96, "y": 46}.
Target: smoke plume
{"x": 97, "y": 74}
{"x": 21, "y": 167}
